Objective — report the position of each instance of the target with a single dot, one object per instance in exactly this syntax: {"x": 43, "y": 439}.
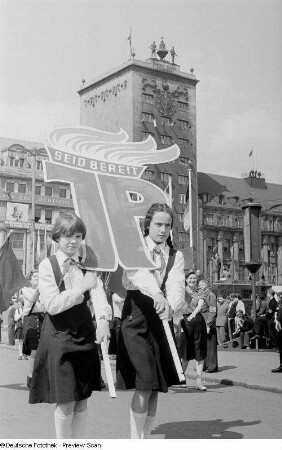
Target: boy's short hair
{"x": 68, "y": 224}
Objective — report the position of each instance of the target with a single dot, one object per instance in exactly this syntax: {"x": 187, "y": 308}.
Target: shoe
{"x": 20, "y": 357}
{"x": 28, "y": 382}
{"x": 25, "y": 356}
{"x": 211, "y": 370}
{"x": 103, "y": 384}
{"x": 278, "y": 370}
{"x": 200, "y": 387}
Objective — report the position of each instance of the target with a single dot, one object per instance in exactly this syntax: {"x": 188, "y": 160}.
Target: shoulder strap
{"x": 57, "y": 272}
{"x": 171, "y": 259}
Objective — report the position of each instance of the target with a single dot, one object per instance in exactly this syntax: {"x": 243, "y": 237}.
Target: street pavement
{"x": 241, "y": 402}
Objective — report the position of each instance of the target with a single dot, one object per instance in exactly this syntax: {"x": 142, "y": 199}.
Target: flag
{"x": 186, "y": 217}
{"x": 129, "y": 37}
{"x": 11, "y": 276}
{"x": 251, "y": 152}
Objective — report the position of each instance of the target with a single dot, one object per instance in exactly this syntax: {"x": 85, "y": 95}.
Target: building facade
{"x": 16, "y": 192}
{"x": 221, "y": 241}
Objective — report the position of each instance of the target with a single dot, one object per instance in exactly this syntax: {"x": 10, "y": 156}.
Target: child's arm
{"x": 196, "y": 310}
{"x": 55, "y": 302}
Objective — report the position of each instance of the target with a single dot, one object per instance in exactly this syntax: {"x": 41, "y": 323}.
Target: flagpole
{"x": 170, "y": 192}
{"x": 190, "y": 205}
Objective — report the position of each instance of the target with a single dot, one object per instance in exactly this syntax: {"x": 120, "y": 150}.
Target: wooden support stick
{"x": 174, "y": 353}
{"x": 108, "y": 370}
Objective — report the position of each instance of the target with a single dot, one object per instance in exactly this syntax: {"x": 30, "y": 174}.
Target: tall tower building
{"x": 153, "y": 97}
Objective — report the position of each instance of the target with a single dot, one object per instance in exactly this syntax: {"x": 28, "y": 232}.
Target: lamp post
{"x": 32, "y": 228}
{"x": 252, "y": 243}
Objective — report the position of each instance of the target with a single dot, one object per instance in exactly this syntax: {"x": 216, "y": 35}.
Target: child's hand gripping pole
{"x": 174, "y": 353}
{"x": 102, "y": 313}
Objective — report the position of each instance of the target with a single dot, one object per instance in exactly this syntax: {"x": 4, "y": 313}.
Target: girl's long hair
{"x": 157, "y": 207}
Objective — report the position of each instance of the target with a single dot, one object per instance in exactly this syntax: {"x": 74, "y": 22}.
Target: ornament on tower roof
{"x": 162, "y": 52}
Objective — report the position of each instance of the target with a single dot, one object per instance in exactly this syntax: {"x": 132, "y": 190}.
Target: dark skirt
{"x": 19, "y": 330}
{"x": 193, "y": 343}
{"x": 32, "y": 334}
{"x": 144, "y": 360}
{"x": 66, "y": 366}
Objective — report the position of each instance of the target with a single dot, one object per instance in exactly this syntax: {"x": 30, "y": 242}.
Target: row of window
{"x": 19, "y": 162}
{"x": 168, "y": 140}
{"x": 148, "y": 98}
{"x": 48, "y": 191}
{"x": 165, "y": 176}
{"x": 150, "y": 118}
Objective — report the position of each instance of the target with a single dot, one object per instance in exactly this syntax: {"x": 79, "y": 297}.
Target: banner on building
{"x": 17, "y": 212}
{"x": 104, "y": 170}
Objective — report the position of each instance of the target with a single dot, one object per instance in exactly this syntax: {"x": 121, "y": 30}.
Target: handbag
{"x": 32, "y": 322}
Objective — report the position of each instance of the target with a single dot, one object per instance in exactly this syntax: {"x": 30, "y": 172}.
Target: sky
{"x": 47, "y": 47}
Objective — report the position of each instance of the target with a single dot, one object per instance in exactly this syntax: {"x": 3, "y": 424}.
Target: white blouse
{"x": 149, "y": 281}
{"x": 54, "y": 301}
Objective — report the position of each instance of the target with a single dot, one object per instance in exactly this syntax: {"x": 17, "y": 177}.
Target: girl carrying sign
{"x": 67, "y": 366}
{"x": 144, "y": 360}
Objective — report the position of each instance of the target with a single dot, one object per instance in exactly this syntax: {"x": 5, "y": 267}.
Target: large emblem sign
{"x": 104, "y": 170}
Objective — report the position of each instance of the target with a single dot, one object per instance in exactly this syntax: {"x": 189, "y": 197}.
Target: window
{"x": 221, "y": 199}
{"x": 205, "y": 197}
{"x": 37, "y": 190}
{"x": 39, "y": 165}
{"x": 146, "y": 134}
{"x": 12, "y": 161}
{"x": 180, "y": 217}
{"x": 183, "y": 237}
{"x": 22, "y": 188}
{"x": 167, "y": 121}
{"x": 48, "y": 216}
{"x": 184, "y": 124}
{"x": 148, "y": 117}
{"x": 166, "y": 140}
{"x": 226, "y": 245}
{"x": 183, "y": 106}
{"x": 17, "y": 240}
{"x": 63, "y": 193}
{"x": 183, "y": 142}
{"x": 21, "y": 161}
{"x": 48, "y": 191}
{"x": 165, "y": 177}
{"x": 182, "y": 179}
{"x": 210, "y": 244}
{"x": 10, "y": 187}
{"x": 182, "y": 198}
{"x": 37, "y": 215}
{"x": 149, "y": 175}
{"x": 147, "y": 98}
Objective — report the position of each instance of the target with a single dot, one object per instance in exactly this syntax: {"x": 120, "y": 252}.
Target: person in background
{"x": 264, "y": 323}
{"x": 19, "y": 327}
{"x": 193, "y": 339}
{"x": 277, "y": 319}
{"x": 67, "y": 365}
{"x": 209, "y": 313}
{"x": 236, "y": 308}
{"x": 117, "y": 303}
{"x": 11, "y": 321}
{"x": 221, "y": 318}
{"x": 32, "y": 308}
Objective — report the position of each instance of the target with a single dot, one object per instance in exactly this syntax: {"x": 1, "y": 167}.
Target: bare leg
{"x": 199, "y": 371}
{"x": 63, "y": 418}
{"x": 138, "y": 412}
{"x": 150, "y": 419}
{"x": 79, "y": 419}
